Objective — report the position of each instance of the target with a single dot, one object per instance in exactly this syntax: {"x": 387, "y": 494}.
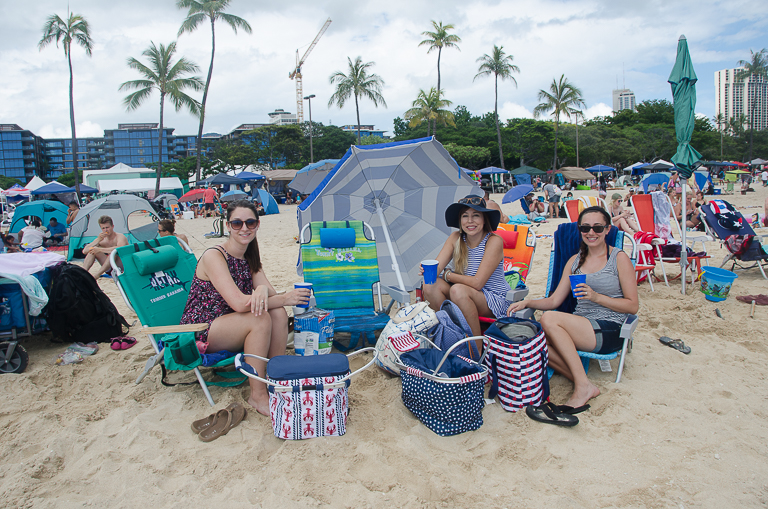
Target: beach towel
{"x": 662, "y": 211}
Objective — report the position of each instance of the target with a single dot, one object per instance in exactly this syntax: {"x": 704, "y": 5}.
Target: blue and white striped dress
{"x": 496, "y": 288}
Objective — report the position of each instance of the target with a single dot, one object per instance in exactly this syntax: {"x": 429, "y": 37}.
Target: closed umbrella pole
{"x": 385, "y": 229}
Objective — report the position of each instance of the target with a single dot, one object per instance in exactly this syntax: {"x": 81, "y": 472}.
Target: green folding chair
{"x": 342, "y": 264}
{"x": 154, "y": 278}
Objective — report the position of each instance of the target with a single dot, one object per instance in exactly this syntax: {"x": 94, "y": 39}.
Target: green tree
{"x": 169, "y": 79}
{"x": 500, "y": 65}
{"x": 67, "y": 179}
{"x": 74, "y": 29}
{"x": 429, "y": 107}
{"x": 756, "y": 69}
{"x": 656, "y": 111}
{"x": 562, "y": 99}
{"x": 199, "y": 12}
{"x": 332, "y": 142}
{"x": 438, "y": 40}
{"x": 358, "y": 83}
{"x": 6, "y": 182}
{"x": 472, "y": 158}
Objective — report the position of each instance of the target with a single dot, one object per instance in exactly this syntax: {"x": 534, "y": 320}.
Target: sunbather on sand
{"x": 608, "y": 296}
{"x": 230, "y": 291}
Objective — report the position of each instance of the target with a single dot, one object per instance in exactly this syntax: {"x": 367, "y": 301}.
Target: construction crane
{"x": 296, "y": 72}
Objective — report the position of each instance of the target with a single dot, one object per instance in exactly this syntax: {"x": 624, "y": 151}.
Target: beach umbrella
{"x": 192, "y": 195}
{"x": 309, "y": 177}
{"x": 516, "y": 193}
{"x": 402, "y": 190}
{"x": 234, "y": 195}
{"x": 683, "y": 79}
{"x": 600, "y": 168}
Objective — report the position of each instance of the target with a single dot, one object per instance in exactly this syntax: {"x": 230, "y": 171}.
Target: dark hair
{"x": 35, "y": 221}
{"x": 583, "y": 249}
{"x": 252, "y": 251}
{"x": 168, "y": 225}
{"x": 106, "y": 220}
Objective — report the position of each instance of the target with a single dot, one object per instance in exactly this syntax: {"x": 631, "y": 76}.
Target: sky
{"x": 596, "y": 44}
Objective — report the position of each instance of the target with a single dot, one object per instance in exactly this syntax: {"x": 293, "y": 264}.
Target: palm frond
{"x": 191, "y": 23}
{"x": 134, "y": 100}
{"x": 236, "y": 22}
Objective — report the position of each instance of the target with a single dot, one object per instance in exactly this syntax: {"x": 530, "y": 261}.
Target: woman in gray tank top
{"x": 609, "y": 294}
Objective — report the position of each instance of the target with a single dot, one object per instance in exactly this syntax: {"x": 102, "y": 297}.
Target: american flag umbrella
{"x": 402, "y": 190}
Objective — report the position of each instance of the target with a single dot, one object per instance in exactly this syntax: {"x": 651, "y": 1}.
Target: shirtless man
{"x": 495, "y": 206}
{"x": 74, "y": 208}
{"x": 105, "y": 243}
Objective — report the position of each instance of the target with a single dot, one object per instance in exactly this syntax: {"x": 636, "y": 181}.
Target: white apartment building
{"x": 734, "y": 98}
{"x": 623, "y": 99}
{"x": 282, "y": 117}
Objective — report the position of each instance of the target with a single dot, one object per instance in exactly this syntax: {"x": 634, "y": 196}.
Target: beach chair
{"x": 590, "y": 201}
{"x": 154, "y": 281}
{"x": 647, "y": 220}
{"x": 519, "y": 248}
{"x": 572, "y": 209}
{"x": 566, "y": 244}
{"x": 755, "y": 251}
{"x": 341, "y": 262}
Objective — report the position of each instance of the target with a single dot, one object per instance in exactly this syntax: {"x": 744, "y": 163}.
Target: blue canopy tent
{"x": 44, "y": 209}
{"x": 268, "y": 202}
{"x": 51, "y": 188}
{"x": 84, "y": 189}
{"x": 494, "y": 172}
{"x": 658, "y": 179}
{"x": 247, "y": 175}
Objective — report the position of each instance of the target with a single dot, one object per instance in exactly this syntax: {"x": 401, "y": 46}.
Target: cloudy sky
{"x": 597, "y": 44}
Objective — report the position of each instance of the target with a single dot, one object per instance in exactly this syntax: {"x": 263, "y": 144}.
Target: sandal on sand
{"x": 547, "y": 413}
{"x": 224, "y": 421}
{"x": 677, "y": 344}
{"x": 565, "y": 409}
{"x": 127, "y": 342}
{"x": 115, "y": 344}
{"x": 201, "y": 424}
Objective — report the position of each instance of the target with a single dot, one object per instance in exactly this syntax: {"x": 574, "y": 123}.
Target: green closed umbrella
{"x": 683, "y": 81}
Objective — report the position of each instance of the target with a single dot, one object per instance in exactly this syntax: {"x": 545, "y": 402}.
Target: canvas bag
{"x": 417, "y": 318}
{"x": 517, "y": 364}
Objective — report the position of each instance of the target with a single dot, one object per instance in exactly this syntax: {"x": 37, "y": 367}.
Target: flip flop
{"x": 115, "y": 344}
{"x": 238, "y": 414}
{"x": 677, "y": 344}
{"x": 546, "y": 414}
{"x": 221, "y": 425}
{"x": 566, "y": 409}
{"x": 127, "y": 342}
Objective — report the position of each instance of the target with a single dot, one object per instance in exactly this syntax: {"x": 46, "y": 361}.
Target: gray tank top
{"x": 606, "y": 282}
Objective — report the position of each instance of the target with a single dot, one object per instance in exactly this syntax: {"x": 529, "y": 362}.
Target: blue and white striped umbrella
{"x": 402, "y": 190}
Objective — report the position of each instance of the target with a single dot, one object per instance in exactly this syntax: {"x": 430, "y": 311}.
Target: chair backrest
{"x": 572, "y": 210}
{"x": 526, "y": 209}
{"x": 645, "y": 213}
{"x": 155, "y": 279}
{"x": 565, "y": 244}
{"x": 715, "y": 230}
{"x": 341, "y": 263}
{"x": 519, "y": 248}
{"x": 590, "y": 201}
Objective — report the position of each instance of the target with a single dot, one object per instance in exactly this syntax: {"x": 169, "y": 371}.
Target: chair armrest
{"x": 526, "y": 314}
{"x": 629, "y": 326}
{"x": 397, "y": 294}
{"x": 167, "y": 329}
{"x": 517, "y": 295}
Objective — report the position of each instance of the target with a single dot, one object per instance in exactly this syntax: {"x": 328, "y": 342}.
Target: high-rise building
{"x": 734, "y": 98}
{"x": 623, "y": 99}
{"x": 21, "y": 152}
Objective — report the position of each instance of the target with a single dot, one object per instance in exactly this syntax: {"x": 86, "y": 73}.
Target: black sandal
{"x": 547, "y": 414}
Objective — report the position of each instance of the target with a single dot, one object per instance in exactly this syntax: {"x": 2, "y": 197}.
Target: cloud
{"x": 85, "y": 129}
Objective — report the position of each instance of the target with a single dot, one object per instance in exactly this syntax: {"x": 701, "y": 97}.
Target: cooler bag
{"x": 517, "y": 364}
{"x": 307, "y": 395}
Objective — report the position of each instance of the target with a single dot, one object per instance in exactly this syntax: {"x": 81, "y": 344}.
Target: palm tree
{"x": 438, "y": 40}
{"x": 500, "y": 65}
{"x": 429, "y": 107}
{"x": 562, "y": 99}
{"x": 74, "y": 29}
{"x": 576, "y": 114}
{"x": 169, "y": 79}
{"x": 199, "y": 12}
{"x": 358, "y": 83}
{"x": 754, "y": 69}
{"x": 719, "y": 120}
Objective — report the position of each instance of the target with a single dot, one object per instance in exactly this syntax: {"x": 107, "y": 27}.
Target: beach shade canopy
{"x": 309, "y": 177}
{"x": 738, "y": 172}
{"x": 192, "y": 195}
{"x": 575, "y": 173}
{"x": 249, "y": 175}
{"x": 659, "y": 166}
{"x": 44, "y": 209}
{"x": 658, "y": 179}
{"x": 758, "y": 162}
{"x": 599, "y": 168}
{"x": 527, "y": 170}
{"x": 234, "y": 195}
{"x": 51, "y": 188}
{"x": 740, "y": 165}
{"x": 16, "y": 190}
{"x": 83, "y": 189}
{"x": 165, "y": 200}
{"x": 516, "y": 193}
{"x": 402, "y": 190}
{"x": 35, "y": 183}
{"x": 493, "y": 170}
{"x": 718, "y": 164}
{"x": 222, "y": 179}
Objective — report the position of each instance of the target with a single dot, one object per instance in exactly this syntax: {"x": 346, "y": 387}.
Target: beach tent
{"x": 120, "y": 171}
{"x": 85, "y": 228}
{"x": 527, "y": 170}
{"x": 758, "y": 162}
{"x": 658, "y": 179}
{"x": 84, "y": 189}
{"x": 309, "y": 177}
{"x": 16, "y": 191}
{"x": 268, "y": 202}
{"x": 575, "y": 173}
{"x": 167, "y": 184}
{"x": 35, "y": 183}
{"x": 44, "y": 209}
{"x": 221, "y": 178}
{"x": 702, "y": 177}
{"x": 523, "y": 178}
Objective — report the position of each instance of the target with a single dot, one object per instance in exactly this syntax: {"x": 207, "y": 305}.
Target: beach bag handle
{"x": 418, "y": 308}
{"x": 434, "y": 376}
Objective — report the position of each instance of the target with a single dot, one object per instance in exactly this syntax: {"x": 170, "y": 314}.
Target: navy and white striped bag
{"x": 517, "y": 364}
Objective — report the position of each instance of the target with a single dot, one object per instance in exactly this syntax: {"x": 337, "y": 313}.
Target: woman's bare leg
{"x": 565, "y": 334}
{"x": 472, "y": 304}
{"x": 279, "y": 335}
{"x": 435, "y": 294}
{"x": 252, "y": 334}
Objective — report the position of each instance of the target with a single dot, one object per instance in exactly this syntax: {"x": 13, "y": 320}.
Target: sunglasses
{"x": 472, "y": 200}
{"x": 237, "y": 224}
{"x": 598, "y": 228}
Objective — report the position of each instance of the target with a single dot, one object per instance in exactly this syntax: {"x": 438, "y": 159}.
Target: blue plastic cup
{"x": 577, "y": 279}
{"x": 303, "y": 285}
{"x": 430, "y": 271}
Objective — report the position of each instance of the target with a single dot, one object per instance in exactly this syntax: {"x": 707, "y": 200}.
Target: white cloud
{"x": 85, "y": 129}
{"x": 598, "y": 110}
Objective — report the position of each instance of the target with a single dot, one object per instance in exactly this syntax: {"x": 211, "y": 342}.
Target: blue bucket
{"x": 716, "y": 283}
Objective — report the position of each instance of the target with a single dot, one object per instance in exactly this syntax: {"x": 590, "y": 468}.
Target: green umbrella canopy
{"x": 683, "y": 81}
{"x": 530, "y": 170}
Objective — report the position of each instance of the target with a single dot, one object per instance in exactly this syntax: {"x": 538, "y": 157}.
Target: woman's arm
{"x": 445, "y": 255}
{"x": 629, "y": 303}
{"x": 492, "y": 256}
{"x": 275, "y": 300}
{"x": 213, "y": 267}
{"x": 553, "y": 301}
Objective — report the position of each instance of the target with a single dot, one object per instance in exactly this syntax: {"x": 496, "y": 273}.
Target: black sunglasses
{"x": 237, "y": 224}
{"x": 472, "y": 200}
{"x": 598, "y": 228}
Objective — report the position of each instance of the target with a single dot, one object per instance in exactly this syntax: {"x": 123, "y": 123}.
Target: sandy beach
{"x": 678, "y": 431}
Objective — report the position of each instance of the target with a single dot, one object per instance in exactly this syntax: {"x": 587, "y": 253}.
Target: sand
{"x": 678, "y": 431}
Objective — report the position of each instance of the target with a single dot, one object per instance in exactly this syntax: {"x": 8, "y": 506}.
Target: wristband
{"x": 445, "y": 275}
